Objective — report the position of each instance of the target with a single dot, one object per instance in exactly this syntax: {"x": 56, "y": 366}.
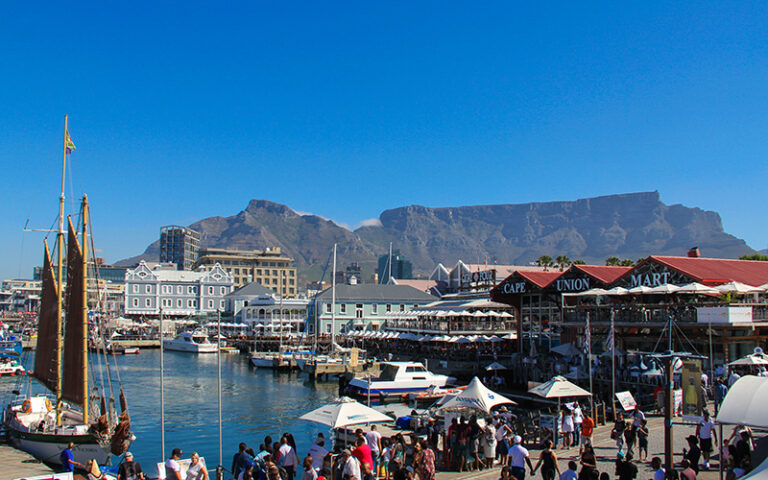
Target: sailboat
{"x": 43, "y": 425}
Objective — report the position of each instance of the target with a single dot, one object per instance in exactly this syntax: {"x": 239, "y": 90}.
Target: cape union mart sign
{"x": 561, "y": 285}
{"x": 648, "y": 279}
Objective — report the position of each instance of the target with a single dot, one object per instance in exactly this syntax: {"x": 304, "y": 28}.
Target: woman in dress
{"x": 568, "y": 427}
{"x": 426, "y": 464}
{"x": 548, "y": 462}
{"x": 196, "y": 470}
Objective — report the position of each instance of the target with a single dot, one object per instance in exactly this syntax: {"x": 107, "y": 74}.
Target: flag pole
{"x": 589, "y": 366}
{"x": 613, "y": 364}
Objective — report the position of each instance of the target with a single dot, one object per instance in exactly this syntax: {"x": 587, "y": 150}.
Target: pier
{"x": 18, "y": 464}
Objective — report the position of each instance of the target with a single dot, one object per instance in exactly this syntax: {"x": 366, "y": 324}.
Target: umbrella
{"x": 566, "y": 350}
{"x": 510, "y": 336}
{"x": 696, "y": 287}
{"x": 343, "y": 413}
{"x": 495, "y": 366}
{"x": 494, "y": 338}
{"x": 737, "y": 287}
{"x": 463, "y": 340}
{"x": 593, "y": 292}
{"x": 756, "y": 358}
{"x": 559, "y": 387}
{"x": 666, "y": 288}
{"x": 618, "y": 291}
{"x": 640, "y": 290}
{"x": 478, "y": 396}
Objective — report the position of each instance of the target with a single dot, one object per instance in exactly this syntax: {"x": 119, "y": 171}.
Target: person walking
{"x": 518, "y": 458}
{"x": 374, "y": 441}
{"x": 172, "y": 468}
{"x": 587, "y": 428}
{"x": 425, "y": 468}
{"x": 578, "y": 420}
{"x": 705, "y": 430}
{"x": 129, "y": 469}
{"x": 548, "y": 463}
{"x": 617, "y": 433}
{"x": 196, "y": 469}
{"x": 288, "y": 458}
{"x": 67, "y": 458}
{"x": 642, "y": 441}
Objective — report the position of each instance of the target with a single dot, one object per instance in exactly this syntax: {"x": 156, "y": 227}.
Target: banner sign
{"x": 626, "y": 400}
{"x": 690, "y": 381}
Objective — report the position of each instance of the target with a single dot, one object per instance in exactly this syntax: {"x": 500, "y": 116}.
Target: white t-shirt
{"x": 351, "y": 468}
{"x": 317, "y": 453}
{"x": 373, "y": 438}
{"x": 517, "y": 456}
{"x": 659, "y": 474}
{"x": 578, "y": 416}
{"x": 171, "y": 466}
{"x": 705, "y": 428}
{"x": 637, "y": 418}
{"x": 501, "y": 432}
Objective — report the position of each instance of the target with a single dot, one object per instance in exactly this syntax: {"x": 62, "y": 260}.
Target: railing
{"x": 450, "y": 326}
{"x": 651, "y": 313}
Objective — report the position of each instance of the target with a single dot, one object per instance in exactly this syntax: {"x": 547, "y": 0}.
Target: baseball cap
{"x": 176, "y": 451}
{"x": 517, "y": 439}
{"x": 128, "y": 454}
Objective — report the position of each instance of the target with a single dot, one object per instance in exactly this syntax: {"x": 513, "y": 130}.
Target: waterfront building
{"x": 267, "y": 313}
{"x": 268, "y": 267}
{"x": 364, "y": 306}
{"x": 401, "y": 268}
{"x": 474, "y": 277}
{"x": 553, "y": 306}
{"x": 427, "y": 286}
{"x": 178, "y": 293}
{"x": 179, "y": 245}
{"x": 19, "y": 295}
{"x": 239, "y": 297}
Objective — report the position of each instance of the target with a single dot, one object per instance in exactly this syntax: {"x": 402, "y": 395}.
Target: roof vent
{"x": 694, "y": 252}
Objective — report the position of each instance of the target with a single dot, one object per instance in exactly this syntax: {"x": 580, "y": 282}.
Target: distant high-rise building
{"x": 268, "y": 267}
{"x": 179, "y": 245}
{"x": 350, "y": 276}
{"x": 401, "y": 268}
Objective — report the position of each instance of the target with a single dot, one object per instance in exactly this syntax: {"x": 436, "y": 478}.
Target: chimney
{"x": 694, "y": 252}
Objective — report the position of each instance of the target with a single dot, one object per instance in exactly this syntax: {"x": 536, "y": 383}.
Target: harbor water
{"x": 255, "y": 403}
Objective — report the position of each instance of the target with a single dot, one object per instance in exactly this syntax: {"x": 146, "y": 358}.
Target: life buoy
{"x": 26, "y": 407}
{"x": 48, "y": 405}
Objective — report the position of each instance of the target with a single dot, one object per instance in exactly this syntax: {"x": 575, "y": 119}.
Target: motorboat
{"x": 192, "y": 342}
{"x": 11, "y": 367}
{"x": 264, "y": 359}
{"x": 397, "y": 378}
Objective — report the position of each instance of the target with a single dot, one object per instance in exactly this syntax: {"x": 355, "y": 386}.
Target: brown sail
{"x": 47, "y": 354}
{"x": 73, "y": 371}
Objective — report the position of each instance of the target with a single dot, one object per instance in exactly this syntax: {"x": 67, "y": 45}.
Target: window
{"x": 402, "y": 308}
{"x": 290, "y": 290}
{"x": 210, "y": 303}
{"x": 135, "y": 300}
{"x": 190, "y": 303}
{"x": 210, "y": 290}
{"x": 274, "y": 273}
{"x": 343, "y": 308}
{"x": 223, "y": 290}
{"x": 179, "y": 289}
{"x": 221, "y": 304}
{"x": 359, "y": 310}
{"x": 147, "y": 302}
{"x": 135, "y": 289}
{"x": 274, "y": 281}
{"x": 190, "y": 289}
{"x": 327, "y": 308}
{"x": 389, "y": 308}
{"x": 258, "y": 271}
{"x": 290, "y": 282}
{"x": 237, "y": 271}
{"x": 178, "y": 303}
{"x": 375, "y": 308}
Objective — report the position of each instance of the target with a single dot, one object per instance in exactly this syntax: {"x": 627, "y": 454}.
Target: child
{"x": 642, "y": 441}
{"x": 385, "y": 458}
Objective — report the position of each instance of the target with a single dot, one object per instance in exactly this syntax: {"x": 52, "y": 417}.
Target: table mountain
{"x": 627, "y": 226}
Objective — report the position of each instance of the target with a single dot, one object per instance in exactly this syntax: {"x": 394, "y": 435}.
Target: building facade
{"x": 268, "y": 267}
{"x": 178, "y": 293}
{"x": 401, "y": 268}
{"x": 179, "y": 245}
{"x": 362, "y": 306}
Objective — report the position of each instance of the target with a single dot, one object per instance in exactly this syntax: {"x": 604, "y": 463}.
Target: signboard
{"x": 626, "y": 400}
{"x": 578, "y": 284}
{"x": 474, "y": 279}
{"x": 513, "y": 287}
{"x": 690, "y": 381}
{"x": 677, "y": 397}
{"x": 721, "y": 315}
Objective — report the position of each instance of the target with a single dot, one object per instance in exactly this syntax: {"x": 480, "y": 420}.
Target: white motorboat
{"x": 11, "y": 368}
{"x": 398, "y": 378}
{"x": 192, "y": 342}
{"x": 264, "y": 360}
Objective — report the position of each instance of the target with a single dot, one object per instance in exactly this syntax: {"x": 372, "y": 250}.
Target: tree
{"x": 639, "y": 260}
{"x": 755, "y": 256}
{"x": 612, "y": 261}
{"x": 627, "y": 263}
{"x": 563, "y": 262}
{"x": 579, "y": 262}
{"x": 544, "y": 261}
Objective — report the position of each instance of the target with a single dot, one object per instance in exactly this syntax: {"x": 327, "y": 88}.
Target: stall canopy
{"x": 343, "y": 413}
{"x": 737, "y": 287}
{"x": 477, "y": 396}
{"x": 495, "y": 366}
{"x": 757, "y": 358}
{"x": 745, "y": 403}
{"x": 697, "y": 288}
{"x": 559, "y": 387}
{"x": 566, "y": 350}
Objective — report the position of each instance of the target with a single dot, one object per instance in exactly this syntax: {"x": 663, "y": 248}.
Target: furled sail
{"x": 47, "y": 355}
{"x": 74, "y": 327}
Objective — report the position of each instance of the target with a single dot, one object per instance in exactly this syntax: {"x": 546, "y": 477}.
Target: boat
{"x": 264, "y": 359}
{"x": 10, "y": 367}
{"x": 192, "y": 342}
{"x": 10, "y": 343}
{"x": 78, "y": 412}
{"x": 431, "y": 394}
{"x": 130, "y": 350}
{"x": 397, "y": 378}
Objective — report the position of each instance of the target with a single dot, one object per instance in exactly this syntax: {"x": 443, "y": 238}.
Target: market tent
{"x": 758, "y": 473}
{"x": 737, "y": 287}
{"x": 745, "y": 403}
{"x": 663, "y": 289}
{"x": 640, "y": 290}
{"x": 757, "y": 358}
{"x": 618, "y": 291}
{"x": 696, "y": 288}
{"x": 593, "y": 292}
{"x": 559, "y": 387}
{"x": 566, "y": 350}
{"x": 495, "y": 366}
{"x": 477, "y": 396}
{"x": 344, "y": 412}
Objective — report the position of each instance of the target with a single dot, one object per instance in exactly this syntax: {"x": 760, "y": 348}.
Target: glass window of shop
{"x": 539, "y": 312}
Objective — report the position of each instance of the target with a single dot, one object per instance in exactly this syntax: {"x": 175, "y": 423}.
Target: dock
{"x": 18, "y": 464}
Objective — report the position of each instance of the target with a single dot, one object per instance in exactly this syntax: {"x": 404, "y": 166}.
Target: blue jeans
{"x": 518, "y": 472}
{"x": 576, "y": 433}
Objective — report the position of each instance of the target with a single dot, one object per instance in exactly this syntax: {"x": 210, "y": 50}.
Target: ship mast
{"x": 59, "y": 275}
{"x": 84, "y": 318}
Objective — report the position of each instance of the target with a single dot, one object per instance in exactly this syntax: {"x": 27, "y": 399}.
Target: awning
{"x": 745, "y": 403}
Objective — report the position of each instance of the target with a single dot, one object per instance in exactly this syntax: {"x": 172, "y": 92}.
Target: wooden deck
{"x": 18, "y": 464}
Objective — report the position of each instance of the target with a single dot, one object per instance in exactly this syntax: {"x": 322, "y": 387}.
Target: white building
{"x": 176, "y": 292}
{"x": 268, "y": 313}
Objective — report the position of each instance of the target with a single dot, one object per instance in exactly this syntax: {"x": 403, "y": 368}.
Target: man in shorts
{"x": 705, "y": 430}
{"x": 587, "y": 428}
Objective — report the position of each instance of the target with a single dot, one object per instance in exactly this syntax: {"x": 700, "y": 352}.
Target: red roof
{"x": 603, "y": 273}
{"x": 717, "y": 270}
{"x": 539, "y": 278}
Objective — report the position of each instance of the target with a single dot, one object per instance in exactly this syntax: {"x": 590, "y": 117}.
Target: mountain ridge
{"x": 628, "y": 225}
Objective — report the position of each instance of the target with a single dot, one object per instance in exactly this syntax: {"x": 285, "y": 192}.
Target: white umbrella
{"x": 495, "y": 366}
{"x": 592, "y": 292}
{"x": 478, "y": 396}
{"x": 756, "y": 358}
{"x": 510, "y": 336}
{"x": 343, "y": 413}
{"x": 559, "y": 387}
{"x": 737, "y": 287}
{"x": 494, "y": 338}
{"x": 666, "y": 288}
{"x": 640, "y": 290}
{"x": 763, "y": 287}
{"x": 618, "y": 291}
{"x": 566, "y": 350}
{"x": 463, "y": 340}
{"x": 696, "y": 287}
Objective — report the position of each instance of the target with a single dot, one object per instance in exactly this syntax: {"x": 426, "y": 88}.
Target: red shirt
{"x": 586, "y": 426}
{"x": 363, "y": 453}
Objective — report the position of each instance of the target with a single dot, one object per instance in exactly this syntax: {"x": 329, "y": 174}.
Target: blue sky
{"x": 182, "y": 110}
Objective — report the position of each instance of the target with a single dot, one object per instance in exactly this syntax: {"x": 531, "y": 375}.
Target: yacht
{"x": 193, "y": 342}
{"x": 398, "y": 378}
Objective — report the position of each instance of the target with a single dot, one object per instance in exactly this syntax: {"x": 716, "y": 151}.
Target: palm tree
{"x": 627, "y": 263}
{"x": 579, "y": 262}
{"x": 544, "y": 261}
{"x": 563, "y": 261}
{"x": 612, "y": 261}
